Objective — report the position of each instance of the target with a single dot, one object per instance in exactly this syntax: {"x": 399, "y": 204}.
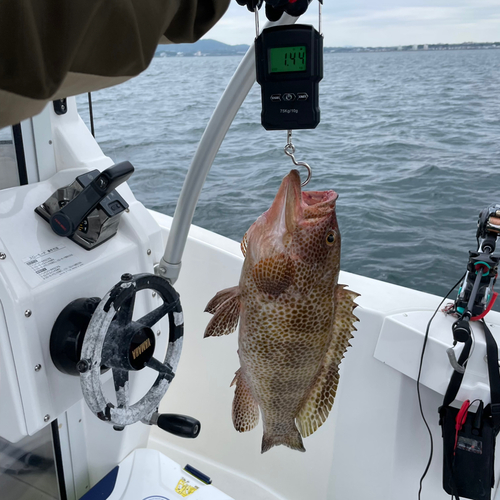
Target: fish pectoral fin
{"x": 317, "y": 406}
{"x": 221, "y": 297}
{"x": 225, "y": 307}
{"x": 245, "y": 408}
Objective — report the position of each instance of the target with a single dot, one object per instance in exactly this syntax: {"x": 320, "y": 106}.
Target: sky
{"x": 381, "y": 23}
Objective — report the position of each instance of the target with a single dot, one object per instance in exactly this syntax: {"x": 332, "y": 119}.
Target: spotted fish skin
{"x": 295, "y": 319}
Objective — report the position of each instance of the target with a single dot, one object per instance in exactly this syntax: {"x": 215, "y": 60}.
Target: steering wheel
{"x": 115, "y": 341}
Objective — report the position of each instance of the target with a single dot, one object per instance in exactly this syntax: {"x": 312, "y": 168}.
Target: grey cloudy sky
{"x": 382, "y": 22}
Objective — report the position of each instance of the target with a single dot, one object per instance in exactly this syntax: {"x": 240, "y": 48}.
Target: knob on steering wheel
{"x": 116, "y": 341}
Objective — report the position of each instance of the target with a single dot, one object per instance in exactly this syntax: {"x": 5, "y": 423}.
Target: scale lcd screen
{"x": 284, "y": 59}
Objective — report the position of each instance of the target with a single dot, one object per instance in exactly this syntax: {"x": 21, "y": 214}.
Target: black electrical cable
{"x": 17, "y": 137}
{"x": 56, "y": 440}
{"x": 91, "y": 114}
{"x": 418, "y": 384}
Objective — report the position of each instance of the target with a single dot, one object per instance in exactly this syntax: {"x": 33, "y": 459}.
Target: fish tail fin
{"x": 293, "y": 440}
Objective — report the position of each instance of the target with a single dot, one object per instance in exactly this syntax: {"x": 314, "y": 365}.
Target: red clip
{"x": 488, "y": 308}
{"x": 460, "y": 420}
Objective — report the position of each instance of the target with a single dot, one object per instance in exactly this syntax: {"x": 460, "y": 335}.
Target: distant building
{"x": 415, "y": 47}
{"x": 426, "y": 47}
{"x": 400, "y": 47}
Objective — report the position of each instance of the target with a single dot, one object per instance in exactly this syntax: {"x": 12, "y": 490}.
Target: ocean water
{"x": 410, "y": 141}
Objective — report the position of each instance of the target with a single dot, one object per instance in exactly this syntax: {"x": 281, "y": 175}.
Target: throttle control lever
{"x": 88, "y": 210}
{"x": 66, "y": 221}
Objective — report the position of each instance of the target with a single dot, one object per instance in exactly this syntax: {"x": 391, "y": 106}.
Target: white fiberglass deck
{"x": 374, "y": 445}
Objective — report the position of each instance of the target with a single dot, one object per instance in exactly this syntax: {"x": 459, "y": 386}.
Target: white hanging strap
{"x": 320, "y": 9}
{"x": 257, "y": 27}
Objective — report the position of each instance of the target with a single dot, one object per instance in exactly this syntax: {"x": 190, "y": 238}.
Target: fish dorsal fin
{"x": 318, "y": 404}
{"x": 225, "y": 307}
{"x": 245, "y": 408}
{"x": 244, "y": 244}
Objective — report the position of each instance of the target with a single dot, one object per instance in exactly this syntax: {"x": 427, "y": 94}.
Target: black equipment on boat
{"x": 179, "y": 425}
{"x": 469, "y": 437}
{"x": 66, "y": 338}
{"x": 289, "y": 64}
{"x": 476, "y": 295}
{"x": 275, "y": 8}
{"x": 91, "y": 336}
{"x": 88, "y": 210}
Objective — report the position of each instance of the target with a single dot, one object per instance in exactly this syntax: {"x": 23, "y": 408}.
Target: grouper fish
{"x": 295, "y": 319}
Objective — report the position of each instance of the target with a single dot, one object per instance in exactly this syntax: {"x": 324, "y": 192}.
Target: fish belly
{"x": 281, "y": 346}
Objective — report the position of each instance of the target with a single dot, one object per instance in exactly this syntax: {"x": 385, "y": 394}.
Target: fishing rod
{"x": 469, "y": 436}
{"x": 465, "y": 471}
{"x": 476, "y": 295}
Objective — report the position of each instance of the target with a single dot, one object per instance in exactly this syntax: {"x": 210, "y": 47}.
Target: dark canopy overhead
{"x": 55, "y": 48}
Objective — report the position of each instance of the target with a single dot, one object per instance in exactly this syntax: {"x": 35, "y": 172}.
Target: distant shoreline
{"x": 204, "y": 48}
{"x": 414, "y": 48}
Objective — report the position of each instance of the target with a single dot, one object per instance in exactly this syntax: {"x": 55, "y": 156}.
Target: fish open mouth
{"x": 311, "y": 198}
{"x": 291, "y": 205}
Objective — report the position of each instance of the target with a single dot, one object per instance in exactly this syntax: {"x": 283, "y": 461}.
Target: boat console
{"x": 90, "y": 337}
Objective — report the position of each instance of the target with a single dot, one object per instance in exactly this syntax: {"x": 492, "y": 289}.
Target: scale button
{"x": 302, "y": 96}
{"x": 289, "y": 97}
{"x": 276, "y": 97}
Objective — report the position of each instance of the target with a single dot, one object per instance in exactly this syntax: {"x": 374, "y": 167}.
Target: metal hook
{"x": 289, "y": 150}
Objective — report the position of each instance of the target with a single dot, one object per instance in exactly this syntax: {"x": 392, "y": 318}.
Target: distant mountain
{"x": 201, "y": 47}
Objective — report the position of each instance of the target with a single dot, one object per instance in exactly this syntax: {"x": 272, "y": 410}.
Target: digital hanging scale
{"x": 289, "y": 64}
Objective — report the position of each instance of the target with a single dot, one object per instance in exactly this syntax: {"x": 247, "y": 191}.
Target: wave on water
{"x": 408, "y": 140}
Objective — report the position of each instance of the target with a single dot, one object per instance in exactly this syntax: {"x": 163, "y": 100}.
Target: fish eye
{"x": 330, "y": 238}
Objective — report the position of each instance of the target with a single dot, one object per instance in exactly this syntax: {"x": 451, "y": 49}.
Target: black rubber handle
{"x": 179, "y": 425}
{"x": 66, "y": 221}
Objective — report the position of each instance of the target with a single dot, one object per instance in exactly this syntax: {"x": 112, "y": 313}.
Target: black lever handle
{"x": 66, "y": 221}
{"x": 179, "y": 425}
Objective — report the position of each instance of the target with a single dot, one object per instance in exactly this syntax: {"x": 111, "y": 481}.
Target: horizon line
{"x": 353, "y": 46}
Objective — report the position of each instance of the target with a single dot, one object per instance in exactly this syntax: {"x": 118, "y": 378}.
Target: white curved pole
{"x": 225, "y": 111}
